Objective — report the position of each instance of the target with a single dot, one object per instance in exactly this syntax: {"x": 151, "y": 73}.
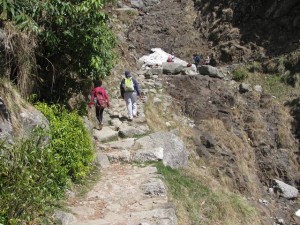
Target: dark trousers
{"x": 99, "y": 113}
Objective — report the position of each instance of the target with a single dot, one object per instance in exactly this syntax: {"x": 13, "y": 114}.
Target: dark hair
{"x": 98, "y": 83}
{"x": 127, "y": 73}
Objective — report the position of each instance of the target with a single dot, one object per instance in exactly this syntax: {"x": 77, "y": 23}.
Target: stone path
{"x": 127, "y": 193}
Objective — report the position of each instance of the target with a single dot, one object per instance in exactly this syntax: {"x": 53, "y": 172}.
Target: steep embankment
{"x": 233, "y": 31}
{"x": 239, "y": 30}
{"x": 244, "y": 138}
{"x": 167, "y": 25}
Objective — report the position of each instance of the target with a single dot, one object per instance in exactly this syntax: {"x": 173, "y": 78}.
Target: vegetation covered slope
{"x": 51, "y": 47}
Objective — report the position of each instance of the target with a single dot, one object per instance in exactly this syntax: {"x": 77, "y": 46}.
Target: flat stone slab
{"x": 117, "y": 156}
{"x": 106, "y": 134}
{"x": 122, "y": 144}
{"x": 102, "y": 160}
{"x": 127, "y": 131}
{"x": 174, "y": 152}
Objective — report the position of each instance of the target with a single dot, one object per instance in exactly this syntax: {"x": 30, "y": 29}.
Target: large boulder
{"x": 30, "y": 119}
{"x": 27, "y": 119}
{"x": 6, "y": 129}
{"x": 210, "y": 71}
{"x": 288, "y": 191}
{"x": 174, "y": 151}
{"x": 144, "y": 3}
{"x": 172, "y": 68}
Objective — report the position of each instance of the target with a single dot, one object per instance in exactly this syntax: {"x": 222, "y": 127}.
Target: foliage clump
{"x": 35, "y": 172}
{"x": 72, "y": 42}
{"x": 70, "y": 140}
{"x": 240, "y": 74}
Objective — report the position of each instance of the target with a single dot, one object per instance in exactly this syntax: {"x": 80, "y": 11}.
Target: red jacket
{"x": 102, "y": 91}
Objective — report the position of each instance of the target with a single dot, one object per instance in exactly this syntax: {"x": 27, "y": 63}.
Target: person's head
{"x": 127, "y": 74}
{"x": 98, "y": 83}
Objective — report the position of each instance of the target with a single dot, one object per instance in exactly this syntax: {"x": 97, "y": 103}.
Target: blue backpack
{"x": 197, "y": 59}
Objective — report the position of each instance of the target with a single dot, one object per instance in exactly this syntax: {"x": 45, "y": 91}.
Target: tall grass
{"x": 31, "y": 179}
{"x": 201, "y": 205}
{"x": 274, "y": 85}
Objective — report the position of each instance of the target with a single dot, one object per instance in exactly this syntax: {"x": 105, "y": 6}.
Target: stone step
{"x": 126, "y": 194}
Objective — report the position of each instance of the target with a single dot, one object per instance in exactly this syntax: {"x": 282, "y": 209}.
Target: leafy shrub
{"x": 31, "y": 179}
{"x": 239, "y": 74}
{"x": 256, "y": 67}
{"x": 70, "y": 140}
{"x": 63, "y": 42}
{"x": 34, "y": 173}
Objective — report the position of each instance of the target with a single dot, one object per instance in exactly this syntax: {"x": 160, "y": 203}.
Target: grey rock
{"x": 130, "y": 131}
{"x": 106, "y": 134}
{"x": 189, "y": 71}
{"x": 258, "y": 88}
{"x": 122, "y": 144}
{"x": 172, "y": 68}
{"x": 88, "y": 124}
{"x": 288, "y": 191}
{"x": 297, "y": 213}
{"x": 174, "y": 155}
{"x": 158, "y": 85}
{"x": 280, "y": 221}
{"x": 243, "y": 88}
{"x": 157, "y": 70}
{"x": 154, "y": 187}
{"x": 210, "y": 71}
{"x": 137, "y": 3}
{"x": 116, "y": 123}
{"x": 151, "y": 2}
{"x": 30, "y": 118}
{"x": 144, "y": 155}
{"x": 65, "y": 218}
{"x": 123, "y": 155}
{"x": 157, "y": 101}
{"x": 102, "y": 160}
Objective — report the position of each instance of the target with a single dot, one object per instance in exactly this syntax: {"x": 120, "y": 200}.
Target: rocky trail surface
{"x": 129, "y": 191}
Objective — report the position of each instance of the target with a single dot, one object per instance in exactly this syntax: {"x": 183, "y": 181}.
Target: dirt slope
{"x": 233, "y": 31}
{"x": 245, "y": 138}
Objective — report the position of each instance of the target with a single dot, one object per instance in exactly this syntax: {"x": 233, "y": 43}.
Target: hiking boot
{"x": 136, "y": 114}
{"x": 100, "y": 126}
{"x": 130, "y": 118}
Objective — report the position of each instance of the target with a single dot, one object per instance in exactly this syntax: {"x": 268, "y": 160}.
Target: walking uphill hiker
{"x": 197, "y": 59}
{"x": 207, "y": 60}
{"x": 129, "y": 91}
{"x": 100, "y": 99}
{"x": 171, "y": 57}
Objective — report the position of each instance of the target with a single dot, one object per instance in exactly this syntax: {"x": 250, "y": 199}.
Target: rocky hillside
{"x": 239, "y": 30}
{"x": 244, "y": 137}
{"x": 233, "y": 31}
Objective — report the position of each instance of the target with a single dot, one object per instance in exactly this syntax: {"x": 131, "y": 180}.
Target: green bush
{"x": 31, "y": 179}
{"x": 35, "y": 172}
{"x": 239, "y": 74}
{"x": 70, "y": 140}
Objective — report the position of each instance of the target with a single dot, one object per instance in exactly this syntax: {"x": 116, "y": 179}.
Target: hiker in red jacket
{"x": 100, "y": 99}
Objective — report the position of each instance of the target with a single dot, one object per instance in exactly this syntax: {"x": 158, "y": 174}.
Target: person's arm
{"x": 93, "y": 95}
{"x": 107, "y": 98}
{"x": 122, "y": 88}
{"x": 136, "y": 87}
